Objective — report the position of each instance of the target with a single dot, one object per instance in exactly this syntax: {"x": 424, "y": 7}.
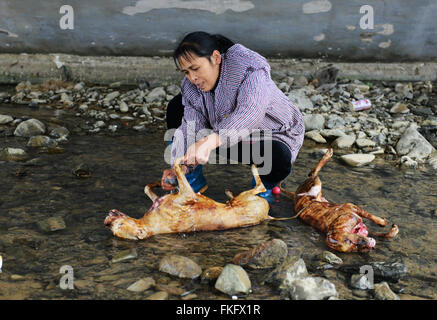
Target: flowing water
{"x": 122, "y": 163}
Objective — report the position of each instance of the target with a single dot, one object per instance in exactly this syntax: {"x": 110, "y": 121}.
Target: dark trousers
{"x": 280, "y": 158}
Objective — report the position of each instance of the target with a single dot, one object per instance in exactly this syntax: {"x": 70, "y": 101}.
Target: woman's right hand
{"x": 168, "y": 174}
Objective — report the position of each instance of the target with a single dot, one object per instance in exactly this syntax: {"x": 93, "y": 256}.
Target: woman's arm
{"x": 252, "y": 101}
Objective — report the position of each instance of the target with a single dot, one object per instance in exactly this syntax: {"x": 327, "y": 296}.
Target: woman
{"x": 228, "y": 89}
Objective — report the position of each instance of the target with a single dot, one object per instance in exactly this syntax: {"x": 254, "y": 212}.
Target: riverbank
{"x": 400, "y": 124}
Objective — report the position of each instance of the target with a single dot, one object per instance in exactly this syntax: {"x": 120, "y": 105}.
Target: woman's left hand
{"x": 198, "y": 153}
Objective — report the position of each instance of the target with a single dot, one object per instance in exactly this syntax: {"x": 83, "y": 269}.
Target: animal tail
{"x": 327, "y": 156}
{"x": 391, "y": 234}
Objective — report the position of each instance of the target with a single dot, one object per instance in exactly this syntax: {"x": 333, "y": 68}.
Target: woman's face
{"x": 201, "y": 71}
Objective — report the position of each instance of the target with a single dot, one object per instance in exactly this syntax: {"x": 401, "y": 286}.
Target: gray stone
{"x": 28, "y": 128}
{"x": 141, "y": 285}
{"x": 60, "y": 132}
{"x": 123, "y": 107}
{"x": 314, "y": 122}
{"x": 383, "y": 292}
{"x": 400, "y": 107}
{"x": 111, "y": 96}
{"x": 331, "y": 258}
{"x": 335, "y": 121}
{"x": 357, "y": 159}
{"x": 265, "y": 255}
{"x": 300, "y": 99}
{"x": 52, "y": 224}
{"x": 161, "y": 295}
{"x": 173, "y": 90}
{"x": 316, "y": 136}
{"x": 180, "y": 266}
{"x": 332, "y": 133}
{"x": 233, "y": 280}
{"x": 413, "y": 144}
{"x": 312, "y": 288}
{"x": 125, "y": 255}
{"x": 362, "y": 143}
{"x": 4, "y": 119}
{"x": 41, "y": 141}
{"x": 344, "y": 142}
{"x": 13, "y": 154}
{"x": 156, "y": 95}
{"x": 361, "y": 281}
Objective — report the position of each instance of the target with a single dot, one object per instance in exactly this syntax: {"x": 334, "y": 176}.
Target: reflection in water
{"x": 121, "y": 165}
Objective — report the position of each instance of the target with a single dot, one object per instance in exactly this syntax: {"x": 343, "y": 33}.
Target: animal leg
{"x": 365, "y": 214}
{"x": 391, "y": 234}
{"x": 322, "y": 162}
{"x": 148, "y": 190}
{"x": 185, "y": 189}
{"x": 259, "y": 187}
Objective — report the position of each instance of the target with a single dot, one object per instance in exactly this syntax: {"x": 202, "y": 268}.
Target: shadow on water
{"x": 123, "y": 163}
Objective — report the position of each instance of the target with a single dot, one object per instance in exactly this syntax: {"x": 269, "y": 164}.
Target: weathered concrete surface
{"x": 341, "y": 30}
{"x": 161, "y": 70}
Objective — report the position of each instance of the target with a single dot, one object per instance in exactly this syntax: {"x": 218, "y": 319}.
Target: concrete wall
{"x": 402, "y": 31}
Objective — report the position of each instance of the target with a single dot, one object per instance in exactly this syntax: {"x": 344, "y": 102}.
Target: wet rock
{"x": 413, "y": 144}
{"x": 5, "y": 119}
{"x": 52, "y": 224}
{"x": 233, "y": 280}
{"x": 357, "y": 159}
{"x": 383, "y": 292}
{"x": 432, "y": 161}
{"x": 161, "y": 295}
{"x": 332, "y": 133}
{"x": 331, "y": 258}
{"x": 173, "y": 90}
{"x": 123, "y": 107}
{"x": 382, "y": 271}
{"x": 361, "y": 281}
{"x": 156, "y": 95}
{"x": 13, "y": 154}
{"x": 81, "y": 171}
{"x": 316, "y": 136}
{"x": 28, "y": 128}
{"x": 291, "y": 269}
{"x": 180, "y": 266}
{"x": 265, "y": 255}
{"x": 344, "y": 142}
{"x": 326, "y": 75}
{"x": 60, "y": 132}
{"x": 211, "y": 274}
{"x": 362, "y": 143}
{"x": 407, "y": 162}
{"x": 400, "y": 108}
{"x": 312, "y": 288}
{"x": 124, "y": 255}
{"x": 170, "y": 289}
{"x": 41, "y": 141}
{"x": 314, "y": 122}
{"x": 299, "y": 98}
{"x": 141, "y": 285}
{"x": 111, "y": 96}
{"x": 300, "y": 81}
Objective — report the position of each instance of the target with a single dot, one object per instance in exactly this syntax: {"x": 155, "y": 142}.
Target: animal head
{"x": 123, "y": 226}
{"x": 350, "y": 242}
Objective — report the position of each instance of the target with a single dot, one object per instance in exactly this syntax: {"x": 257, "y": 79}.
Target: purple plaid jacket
{"x": 245, "y": 98}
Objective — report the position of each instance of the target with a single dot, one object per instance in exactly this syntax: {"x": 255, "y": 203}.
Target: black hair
{"x": 202, "y": 44}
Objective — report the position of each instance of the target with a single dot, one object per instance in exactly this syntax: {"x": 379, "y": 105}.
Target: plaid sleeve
{"x": 192, "y": 122}
{"x": 251, "y": 107}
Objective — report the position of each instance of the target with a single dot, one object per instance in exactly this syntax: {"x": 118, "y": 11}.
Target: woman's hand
{"x": 199, "y": 152}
